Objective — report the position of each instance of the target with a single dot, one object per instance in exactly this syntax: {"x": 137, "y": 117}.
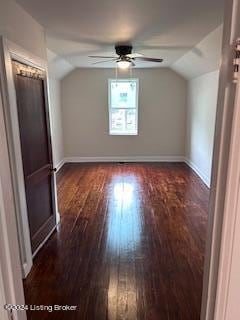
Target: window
{"x": 123, "y": 106}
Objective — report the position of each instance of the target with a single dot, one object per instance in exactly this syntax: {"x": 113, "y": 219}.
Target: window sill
{"x": 123, "y": 134}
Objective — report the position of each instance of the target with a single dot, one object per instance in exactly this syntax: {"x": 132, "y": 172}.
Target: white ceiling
{"x": 157, "y": 28}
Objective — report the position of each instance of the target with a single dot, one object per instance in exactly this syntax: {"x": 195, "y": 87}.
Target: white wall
{"x": 201, "y": 112}
{"x": 18, "y": 26}
{"x": 162, "y": 110}
{"x": 56, "y": 120}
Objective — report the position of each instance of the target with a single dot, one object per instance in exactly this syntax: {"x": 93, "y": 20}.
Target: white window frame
{"x": 136, "y": 80}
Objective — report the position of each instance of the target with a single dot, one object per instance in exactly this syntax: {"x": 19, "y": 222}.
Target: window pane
{"x": 131, "y": 121}
{"x": 123, "y": 94}
{"x": 123, "y": 121}
{"x": 117, "y": 120}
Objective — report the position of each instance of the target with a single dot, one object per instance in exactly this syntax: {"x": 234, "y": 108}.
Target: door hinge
{"x": 236, "y": 62}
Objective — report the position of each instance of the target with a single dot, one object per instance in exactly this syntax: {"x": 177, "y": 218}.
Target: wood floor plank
{"x": 130, "y": 244}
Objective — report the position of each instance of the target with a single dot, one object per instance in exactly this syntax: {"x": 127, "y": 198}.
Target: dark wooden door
{"x": 33, "y": 117}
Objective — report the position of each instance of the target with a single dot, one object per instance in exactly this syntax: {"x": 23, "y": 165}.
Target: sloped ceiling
{"x": 203, "y": 58}
{"x": 58, "y": 67}
{"x": 157, "y": 28}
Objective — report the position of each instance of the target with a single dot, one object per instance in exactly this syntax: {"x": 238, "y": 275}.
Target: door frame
{"x": 228, "y": 290}
{"x": 10, "y": 51}
{"x": 225, "y": 173}
{"x": 9, "y": 245}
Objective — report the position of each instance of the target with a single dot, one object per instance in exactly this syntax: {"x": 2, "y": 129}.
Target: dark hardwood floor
{"x": 130, "y": 244}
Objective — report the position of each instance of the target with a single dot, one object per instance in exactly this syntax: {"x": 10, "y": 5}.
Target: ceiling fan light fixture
{"x": 123, "y": 64}
{"x": 125, "y": 58}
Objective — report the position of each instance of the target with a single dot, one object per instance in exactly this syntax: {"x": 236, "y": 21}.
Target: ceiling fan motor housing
{"x": 123, "y": 50}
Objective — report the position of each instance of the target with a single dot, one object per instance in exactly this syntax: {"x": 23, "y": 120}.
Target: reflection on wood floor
{"x": 130, "y": 244}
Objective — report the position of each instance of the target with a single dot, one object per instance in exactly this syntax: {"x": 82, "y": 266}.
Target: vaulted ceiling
{"x": 156, "y": 28}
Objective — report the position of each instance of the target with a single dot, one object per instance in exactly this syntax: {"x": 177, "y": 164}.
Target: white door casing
{"x": 9, "y": 249}
{"x": 219, "y": 216}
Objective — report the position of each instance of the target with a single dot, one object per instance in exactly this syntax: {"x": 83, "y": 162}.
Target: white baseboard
{"x": 126, "y": 159}
{"x": 44, "y": 241}
{"x": 60, "y": 164}
{"x": 204, "y": 177}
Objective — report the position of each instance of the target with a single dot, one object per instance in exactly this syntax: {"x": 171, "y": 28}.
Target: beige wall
{"x": 56, "y": 120}
{"x": 162, "y": 110}
{"x": 18, "y": 26}
{"x": 201, "y": 112}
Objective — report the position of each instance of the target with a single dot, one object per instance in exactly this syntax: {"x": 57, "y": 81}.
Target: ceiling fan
{"x": 125, "y": 57}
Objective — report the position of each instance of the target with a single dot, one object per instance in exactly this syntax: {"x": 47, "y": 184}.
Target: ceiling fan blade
{"x": 103, "y": 61}
{"x": 149, "y": 59}
{"x": 103, "y": 57}
{"x": 134, "y": 55}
